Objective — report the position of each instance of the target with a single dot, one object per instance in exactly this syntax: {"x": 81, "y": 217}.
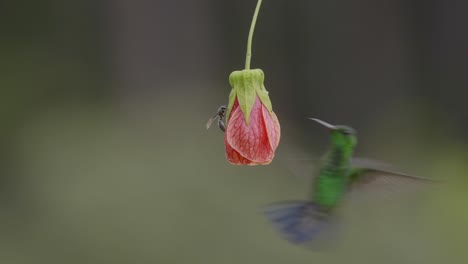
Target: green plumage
{"x": 332, "y": 180}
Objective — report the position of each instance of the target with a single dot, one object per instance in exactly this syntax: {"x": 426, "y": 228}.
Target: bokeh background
{"x": 105, "y": 157}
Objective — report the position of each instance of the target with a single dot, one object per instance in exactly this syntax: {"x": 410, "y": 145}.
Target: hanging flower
{"x": 253, "y": 131}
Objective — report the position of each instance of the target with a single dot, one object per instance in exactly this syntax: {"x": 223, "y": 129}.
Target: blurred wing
{"x": 302, "y": 223}
{"x": 302, "y": 165}
{"x": 210, "y": 121}
{"x": 375, "y": 178}
{"x": 303, "y": 169}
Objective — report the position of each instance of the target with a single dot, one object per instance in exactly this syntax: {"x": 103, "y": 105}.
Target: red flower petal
{"x": 255, "y": 143}
{"x": 234, "y": 157}
{"x": 272, "y": 127}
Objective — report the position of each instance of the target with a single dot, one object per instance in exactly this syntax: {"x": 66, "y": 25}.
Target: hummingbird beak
{"x": 323, "y": 123}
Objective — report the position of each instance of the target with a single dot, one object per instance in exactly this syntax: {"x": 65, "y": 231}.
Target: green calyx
{"x": 247, "y": 84}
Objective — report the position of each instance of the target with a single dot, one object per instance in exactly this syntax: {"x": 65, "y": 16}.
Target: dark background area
{"x": 105, "y": 157}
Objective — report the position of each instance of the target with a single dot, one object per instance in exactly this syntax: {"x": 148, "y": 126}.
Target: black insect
{"x": 219, "y": 115}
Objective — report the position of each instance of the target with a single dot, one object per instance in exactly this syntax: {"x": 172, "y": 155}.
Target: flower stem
{"x": 248, "y": 57}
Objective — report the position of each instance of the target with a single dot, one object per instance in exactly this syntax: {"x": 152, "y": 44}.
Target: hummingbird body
{"x": 301, "y": 222}
{"x": 330, "y": 184}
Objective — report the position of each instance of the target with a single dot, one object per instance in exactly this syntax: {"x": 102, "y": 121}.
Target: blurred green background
{"x": 105, "y": 157}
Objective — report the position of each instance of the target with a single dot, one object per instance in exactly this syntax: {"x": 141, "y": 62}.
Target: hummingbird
{"x": 303, "y": 221}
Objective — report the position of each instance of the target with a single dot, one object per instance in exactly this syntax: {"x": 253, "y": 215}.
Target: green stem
{"x": 248, "y": 57}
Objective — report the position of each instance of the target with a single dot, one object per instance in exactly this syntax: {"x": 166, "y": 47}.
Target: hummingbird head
{"x": 341, "y": 135}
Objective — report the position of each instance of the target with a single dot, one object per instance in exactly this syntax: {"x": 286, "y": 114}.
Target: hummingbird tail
{"x": 299, "y": 222}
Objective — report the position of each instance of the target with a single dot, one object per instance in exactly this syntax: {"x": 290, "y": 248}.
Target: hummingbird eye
{"x": 347, "y": 132}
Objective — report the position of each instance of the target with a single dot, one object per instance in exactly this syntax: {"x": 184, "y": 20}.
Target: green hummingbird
{"x": 301, "y": 222}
